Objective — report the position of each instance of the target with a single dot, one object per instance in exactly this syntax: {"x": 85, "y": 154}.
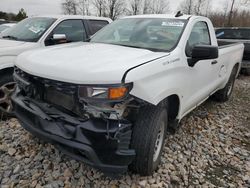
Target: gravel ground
{"x": 211, "y": 149}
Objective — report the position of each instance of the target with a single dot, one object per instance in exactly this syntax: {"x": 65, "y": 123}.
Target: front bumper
{"x": 103, "y": 144}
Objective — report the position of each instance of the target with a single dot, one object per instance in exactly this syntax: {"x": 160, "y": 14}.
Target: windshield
{"x": 3, "y": 27}
{"x": 156, "y": 34}
{"x": 29, "y": 30}
{"x": 243, "y": 34}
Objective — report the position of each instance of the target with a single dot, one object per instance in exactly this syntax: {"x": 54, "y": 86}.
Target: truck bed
{"x": 224, "y": 44}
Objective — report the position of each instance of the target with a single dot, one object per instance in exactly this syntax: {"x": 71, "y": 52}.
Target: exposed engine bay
{"x": 65, "y": 97}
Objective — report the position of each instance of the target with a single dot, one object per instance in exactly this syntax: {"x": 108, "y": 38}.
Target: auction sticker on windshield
{"x": 173, "y": 24}
{"x": 34, "y": 29}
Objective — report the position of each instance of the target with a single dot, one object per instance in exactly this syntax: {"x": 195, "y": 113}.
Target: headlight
{"x": 105, "y": 92}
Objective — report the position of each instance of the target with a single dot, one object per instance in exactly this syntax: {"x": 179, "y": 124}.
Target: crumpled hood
{"x": 84, "y": 63}
{"x": 13, "y": 48}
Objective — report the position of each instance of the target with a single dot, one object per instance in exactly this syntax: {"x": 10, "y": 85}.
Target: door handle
{"x": 214, "y": 62}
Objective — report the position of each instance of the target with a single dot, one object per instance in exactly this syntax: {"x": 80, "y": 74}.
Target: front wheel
{"x": 148, "y": 137}
{"x": 7, "y": 87}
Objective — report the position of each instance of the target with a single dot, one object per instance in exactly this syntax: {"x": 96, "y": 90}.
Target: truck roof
{"x": 232, "y": 28}
{"x": 171, "y": 16}
{"x": 75, "y": 17}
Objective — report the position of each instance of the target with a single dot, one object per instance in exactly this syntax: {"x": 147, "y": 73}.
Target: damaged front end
{"x": 82, "y": 121}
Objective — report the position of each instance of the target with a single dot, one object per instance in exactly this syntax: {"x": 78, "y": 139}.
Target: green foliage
{"x": 7, "y": 16}
{"x": 13, "y": 17}
{"x": 21, "y": 15}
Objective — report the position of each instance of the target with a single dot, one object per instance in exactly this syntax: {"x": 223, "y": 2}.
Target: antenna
{"x": 179, "y": 13}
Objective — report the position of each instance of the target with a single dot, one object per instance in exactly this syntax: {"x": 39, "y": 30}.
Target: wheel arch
{"x": 173, "y": 103}
{"x": 6, "y": 70}
{"x": 237, "y": 65}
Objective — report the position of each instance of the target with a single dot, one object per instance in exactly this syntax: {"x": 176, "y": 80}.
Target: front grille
{"x": 66, "y": 88}
{"x": 54, "y": 92}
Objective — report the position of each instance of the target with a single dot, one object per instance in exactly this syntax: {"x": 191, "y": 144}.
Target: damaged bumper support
{"x": 103, "y": 144}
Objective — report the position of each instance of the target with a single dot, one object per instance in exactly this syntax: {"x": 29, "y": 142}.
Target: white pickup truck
{"x": 109, "y": 102}
{"x": 40, "y": 32}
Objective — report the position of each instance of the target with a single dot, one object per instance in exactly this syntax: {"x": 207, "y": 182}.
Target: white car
{"x": 4, "y": 27}
{"x": 109, "y": 102}
{"x": 39, "y": 32}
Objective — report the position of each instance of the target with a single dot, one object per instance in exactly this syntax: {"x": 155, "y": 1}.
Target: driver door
{"x": 200, "y": 76}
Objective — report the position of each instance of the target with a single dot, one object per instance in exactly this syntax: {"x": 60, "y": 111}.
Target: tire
{"x": 6, "y": 80}
{"x": 151, "y": 124}
{"x": 224, "y": 94}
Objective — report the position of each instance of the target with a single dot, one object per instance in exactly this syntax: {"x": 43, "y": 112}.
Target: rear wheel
{"x": 7, "y": 87}
{"x": 224, "y": 94}
{"x": 148, "y": 137}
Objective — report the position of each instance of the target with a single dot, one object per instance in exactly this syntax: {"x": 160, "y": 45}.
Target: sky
{"x": 39, "y": 7}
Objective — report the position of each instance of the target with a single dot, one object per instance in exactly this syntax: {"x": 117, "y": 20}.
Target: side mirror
{"x": 58, "y": 37}
{"x": 203, "y": 52}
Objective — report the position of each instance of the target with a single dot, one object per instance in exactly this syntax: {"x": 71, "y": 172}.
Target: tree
{"x": 114, "y": 8}
{"x": 239, "y": 18}
{"x": 234, "y": 10}
{"x": 100, "y": 7}
{"x": 155, "y": 6}
{"x": 201, "y": 7}
{"x": 21, "y": 15}
{"x": 245, "y": 2}
{"x": 186, "y": 6}
{"x": 160, "y": 6}
{"x": 84, "y": 6}
{"x": 197, "y": 7}
{"x": 231, "y": 13}
{"x": 225, "y": 11}
{"x": 136, "y": 6}
{"x": 69, "y": 7}
{"x": 146, "y": 7}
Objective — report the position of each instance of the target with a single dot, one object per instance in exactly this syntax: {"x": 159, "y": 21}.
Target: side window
{"x": 73, "y": 30}
{"x": 96, "y": 25}
{"x": 199, "y": 35}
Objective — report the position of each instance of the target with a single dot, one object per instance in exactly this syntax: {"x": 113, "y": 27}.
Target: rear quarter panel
{"x": 229, "y": 56}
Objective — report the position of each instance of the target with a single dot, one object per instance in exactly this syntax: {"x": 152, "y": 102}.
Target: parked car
{"x": 237, "y": 34}
{"x": 109, "y": 102}
{"x": 3, "y": 21}
{"x": 6, "y": 26}
{"x": 40, "y": 32}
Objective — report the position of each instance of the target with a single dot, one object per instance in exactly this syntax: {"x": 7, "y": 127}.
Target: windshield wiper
{"x": 9, "y": 37}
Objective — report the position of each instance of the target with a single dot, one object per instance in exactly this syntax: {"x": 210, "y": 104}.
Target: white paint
{"x": 90, "y": 63}
{"x": 10, "y": 49}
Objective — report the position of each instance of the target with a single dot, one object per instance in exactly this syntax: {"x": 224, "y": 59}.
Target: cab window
{"x": 199, "y": 36}
{"x": 96, "y": 25}
{"x": 73, "y": 30}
